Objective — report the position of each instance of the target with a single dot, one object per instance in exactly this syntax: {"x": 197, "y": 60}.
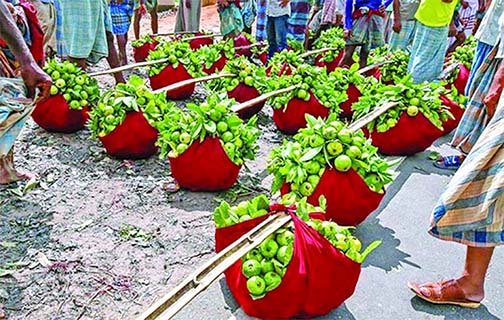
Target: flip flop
{"x": 443, "y": 292}
{"x": 448, "y": 162}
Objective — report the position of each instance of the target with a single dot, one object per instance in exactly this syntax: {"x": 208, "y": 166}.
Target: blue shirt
{"x": 371, "y": 4}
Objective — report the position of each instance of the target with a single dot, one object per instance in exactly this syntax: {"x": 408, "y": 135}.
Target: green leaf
{"x": 311, "y": 153}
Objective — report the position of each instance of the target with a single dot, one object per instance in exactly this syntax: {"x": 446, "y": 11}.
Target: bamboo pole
{"x": 360, "y": 123}
{"x": 371, "y": 67}
{"x": 170, "y": 304}
{"x": 172, "y": 33}
{"x": 206, "y": 36}
{"x": 128, "y": 67}
{"x": 184, "y": 83}
{"x": 257, "y": 44}
{"x": 261, "y": 98}
{"x": 309, "y": 53}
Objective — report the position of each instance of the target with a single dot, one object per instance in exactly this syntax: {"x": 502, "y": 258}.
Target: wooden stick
{"x": 257, "y": 44}
{"x": 128, "y": 67}
{"x": 170, "y": 304}
{"x": 448, "y": 70}
{"x": 184, "y": 83}
{"x": 360, "y": 123}
{"x": 172, "y": 33}
{"x": 371, "y": 67}
{"x": 264, "y": 97}
{"x": 206, "y": 36}
{"x": 309, "y": 53}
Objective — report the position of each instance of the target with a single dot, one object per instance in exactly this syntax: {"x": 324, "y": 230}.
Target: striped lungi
{"x": 475, "y": 116}
{"x": 480, "y": 54}
{"x": 188, "y": 19}
{"x": 404, "y": 38}
{"x": 427, "y": 52}
{"x": 471, "y": 210}
{"x": 14, "y": 111}
{"x": 121, "y": 15}
{"x": 298, "y": 20}
{"x": 81, "y": 29}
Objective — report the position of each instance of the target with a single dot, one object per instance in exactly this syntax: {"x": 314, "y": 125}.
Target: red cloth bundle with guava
{"x": 409, "y": 136}
{"x": 204, "y": 166}
{"x": 134, "y": 138}
{"x": 170, "y": 75}
{"x": 318, "y": 278}
{"x": 55, "y": 115}
{"x": 349, "y": 199}
{"x": 292, "y": 118}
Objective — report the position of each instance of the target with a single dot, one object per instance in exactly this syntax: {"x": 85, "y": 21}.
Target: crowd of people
{"x": 471, "y": 210}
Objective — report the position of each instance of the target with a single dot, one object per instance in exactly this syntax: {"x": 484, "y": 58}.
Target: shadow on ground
{"x": 452, "y": 312}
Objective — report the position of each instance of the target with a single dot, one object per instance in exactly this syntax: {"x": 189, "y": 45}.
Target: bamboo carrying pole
{"x": 312, "y": 52}
{"x": 128, "y": 67}
{"x": 261, "y": 98}
{"x": 371, "y": 67}
{"x": 169, "y": 305}
{"x": 184, "y": 83}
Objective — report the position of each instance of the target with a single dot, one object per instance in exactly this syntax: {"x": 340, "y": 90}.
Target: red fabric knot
{"x": 358, "y": 14}
{"x": 278, "y": 207}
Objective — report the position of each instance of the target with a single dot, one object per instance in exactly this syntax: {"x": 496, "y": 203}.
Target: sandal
{"x": 449, "y": 162}
{"x": 443, "y": 292}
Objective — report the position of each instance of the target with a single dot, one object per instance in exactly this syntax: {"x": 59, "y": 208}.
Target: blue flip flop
{"x": 448, "y": 163}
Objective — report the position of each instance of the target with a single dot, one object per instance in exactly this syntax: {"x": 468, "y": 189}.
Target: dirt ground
{"x": 98, "y": 238}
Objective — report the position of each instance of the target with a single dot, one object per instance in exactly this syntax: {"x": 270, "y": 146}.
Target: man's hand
{"x": 347, "y": 34}
{"x": 397, "y": 26}
{"x": 284, "y": 3}
{"x": 464, "y": 4}
{"x": 34, "y": 78}
{"x": 223, "y": 3}
{"x": 188, "y": 4}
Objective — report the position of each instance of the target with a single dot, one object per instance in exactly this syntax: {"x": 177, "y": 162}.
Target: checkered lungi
{"x": 404, "y": 38}
{"x": 367, "y": 29}
{"x": 121, "y": 15}
{"x": 471, "y": 210}
{"x": 81, "y": 29}
{"x": 427, "y": 52}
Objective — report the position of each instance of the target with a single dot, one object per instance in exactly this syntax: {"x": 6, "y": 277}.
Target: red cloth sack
{"x": 349, "y": 199}
{"x": 330, "y": 66}
{"x": 171, "y": 75}
{"x": 293, "y": 118}
{"x": 141, "y": 53}
{"x": 263, "y": 57}
{"x": 198, "y": 43}
{"x": 318, "y": 279}
{"x": 457, "y": 112}
{"x": 460, "y": 81}
{"x": 204, "y": 166}
{"x": 216, "y": 66}
{"x": 242, "y": 41}
{"x": 55, "y": 115}
{"x": 409, "y": 136}
{"x": 134, "y": 138}
{"x": 244, "y": 93}
{"x": 346, "y": 106}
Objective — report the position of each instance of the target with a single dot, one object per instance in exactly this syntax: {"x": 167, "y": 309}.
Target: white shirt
{"x": 273, "y": 9}
{"x": 487, "y": 32}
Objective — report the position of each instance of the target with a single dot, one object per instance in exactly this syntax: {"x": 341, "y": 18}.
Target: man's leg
{"x": 364, "y": 53}
{"x": 347, "y": 60}
{"x": 8, "y": 173}
{"x": 154, "y": 20}
{"x": 113, "y": 58}
{"x": 281, "y": 32}
{"x": 136, "y": 23}
{"x": 122, "y": 40}
{"x": 80, "y": 62}
{"x": 272, "y": 41}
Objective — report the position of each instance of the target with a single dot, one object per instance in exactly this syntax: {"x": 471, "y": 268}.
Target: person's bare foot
{"x": 10, "y": 175}
{"x": 473, "y": 291}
